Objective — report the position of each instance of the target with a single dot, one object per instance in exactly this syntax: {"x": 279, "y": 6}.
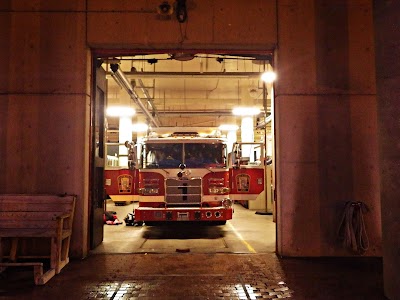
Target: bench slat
{"x": 29, "y": 232}
{"x": 36, "y": 197}
{"x": 34, "y": 224}
{"x": 23, "y": 206}
{"x": 29, "y": 215}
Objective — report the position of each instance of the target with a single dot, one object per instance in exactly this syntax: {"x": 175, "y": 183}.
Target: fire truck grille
{"x": 182, "y": 192}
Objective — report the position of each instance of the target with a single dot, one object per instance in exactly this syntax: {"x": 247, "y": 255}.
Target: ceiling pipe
{"x": 136, "y": 74}
{"x": 198, "y": 113}
{"x": 149, "y": 98}
{"x": 123, "y": 81}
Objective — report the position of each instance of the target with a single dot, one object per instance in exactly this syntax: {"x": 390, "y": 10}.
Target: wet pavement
{"x": 235, "y": 261}
{"x": 202, "y": 276}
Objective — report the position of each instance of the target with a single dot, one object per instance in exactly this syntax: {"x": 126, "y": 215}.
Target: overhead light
{"x": 246, "y": 111}
{"x": 228, "y": 127}
{"x": 139, "y": 127}
{"x": 268, "y": 76}
{"x": 120, "y": 111}
{"x": 254, "y": 93}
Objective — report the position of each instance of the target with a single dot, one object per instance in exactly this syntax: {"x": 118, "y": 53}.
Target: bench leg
{"x": 59, "y": 253}
{"x": 14, "y": 248}
{"x": 54, "y": 254}
{"x": 1, "y": 256}
{"x": 41, "y": 278}
{"x": 38, "y": 275}
{"x": 64, "y": 252}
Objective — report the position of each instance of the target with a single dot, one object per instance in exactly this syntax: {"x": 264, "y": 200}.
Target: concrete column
{"x": 387, "y": 46}
{"x": 325, "y": 125}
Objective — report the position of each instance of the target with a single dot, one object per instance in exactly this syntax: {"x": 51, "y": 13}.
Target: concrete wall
{"x": 326, "y": 124}
{"x": 211, "y": 24}
{"x": 326, "y": 121}
{"x": 388, "y": 87}
{"x": 44, "y": 103}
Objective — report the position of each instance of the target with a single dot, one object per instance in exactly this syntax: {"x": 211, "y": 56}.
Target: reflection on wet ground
{"x": 202, "y": 276}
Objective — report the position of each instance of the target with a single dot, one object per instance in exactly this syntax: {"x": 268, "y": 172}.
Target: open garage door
{"x": 97, "y": 195}
{"x": 172, "y": 92}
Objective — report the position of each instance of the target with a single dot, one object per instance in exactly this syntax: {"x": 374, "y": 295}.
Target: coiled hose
{"x": 352, "y": 231}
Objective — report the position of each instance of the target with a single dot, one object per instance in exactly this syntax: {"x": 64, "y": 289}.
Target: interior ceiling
{"x": 186, "y": 90}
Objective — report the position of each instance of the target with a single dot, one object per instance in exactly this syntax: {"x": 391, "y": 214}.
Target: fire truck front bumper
{"x": 210, "y": 214}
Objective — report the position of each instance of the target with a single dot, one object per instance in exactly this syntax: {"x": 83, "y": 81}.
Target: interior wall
{"x": 326, "y": 125}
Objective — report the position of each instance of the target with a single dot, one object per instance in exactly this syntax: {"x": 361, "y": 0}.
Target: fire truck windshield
{"x": 194, "y": 155}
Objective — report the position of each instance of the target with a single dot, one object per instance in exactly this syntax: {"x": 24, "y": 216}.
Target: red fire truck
{"x": 183, "y": 177}
{"x": 188, "y": 177}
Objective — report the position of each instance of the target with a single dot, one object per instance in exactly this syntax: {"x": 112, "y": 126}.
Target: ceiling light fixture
{"x": 120, "y": 111}
{"x": 268, "y": 76}
{"x": 254, "y": 93}
{"x": 140, "y": 127}
{"x": 228, "y": 127}
{"x": 246, "y": 111}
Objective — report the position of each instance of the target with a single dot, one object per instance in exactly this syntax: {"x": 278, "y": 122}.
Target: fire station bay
{"x": 199, "y": 149}
{"x": 205, "y": 161}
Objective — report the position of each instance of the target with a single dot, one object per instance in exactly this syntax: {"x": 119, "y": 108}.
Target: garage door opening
{"x": 199, "y": 95}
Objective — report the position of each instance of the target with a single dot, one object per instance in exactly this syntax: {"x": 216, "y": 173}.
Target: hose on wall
{"x": 352, "y": 230}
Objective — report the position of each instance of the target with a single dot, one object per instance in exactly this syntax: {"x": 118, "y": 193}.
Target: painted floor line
{"x": 249, "y": 247}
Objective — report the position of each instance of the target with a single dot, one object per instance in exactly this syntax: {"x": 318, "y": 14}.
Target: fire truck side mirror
{"x": 131, "y": 165}
{"x": 131, "y": 155}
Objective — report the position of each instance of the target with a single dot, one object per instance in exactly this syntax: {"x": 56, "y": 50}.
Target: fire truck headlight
{"x": 218, "y": 190}
{"x": 227, "y": 203}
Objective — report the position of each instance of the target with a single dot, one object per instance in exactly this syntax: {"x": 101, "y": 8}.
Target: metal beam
{"x": 135, "y": 74}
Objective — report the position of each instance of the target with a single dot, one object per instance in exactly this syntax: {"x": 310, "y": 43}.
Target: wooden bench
{"x": 27, "y": 217}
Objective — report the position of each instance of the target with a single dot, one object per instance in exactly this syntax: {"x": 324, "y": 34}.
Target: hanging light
{"x": 246, "y": 111}
{"x": 140, "y": 127}
{"x": 228, "y": 127}
{"x": 120, "y": 111}
{"x": 268, "y": 76}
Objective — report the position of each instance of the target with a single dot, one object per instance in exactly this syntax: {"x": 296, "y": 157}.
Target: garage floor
{"x": 224, "y": 262}
{"x": 247, "y": 232}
